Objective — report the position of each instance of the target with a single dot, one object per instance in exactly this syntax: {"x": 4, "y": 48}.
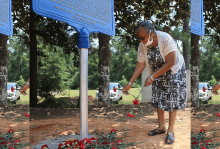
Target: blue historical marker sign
{"x": 197, "y": 19}
{"x": 6, "y": 23}
{"x": 94, "y": 15}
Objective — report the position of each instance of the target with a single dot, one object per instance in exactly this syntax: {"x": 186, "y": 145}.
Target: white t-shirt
{"x": 166, "y": 45}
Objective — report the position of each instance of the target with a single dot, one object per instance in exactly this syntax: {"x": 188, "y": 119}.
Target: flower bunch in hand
{"x": 135, "y": 101}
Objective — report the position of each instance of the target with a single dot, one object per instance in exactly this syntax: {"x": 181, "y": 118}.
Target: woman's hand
{"x": 24, "y": 88}
{"x": 148, "y": 81}
{"x": 126, "y": 88}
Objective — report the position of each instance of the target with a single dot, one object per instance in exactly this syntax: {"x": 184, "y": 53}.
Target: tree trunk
{"x": 195, "y": 62}
{"x": 33, "y": 60}
{"x": 19, "y": 64}
{"x": 186, "y": 49}
{"x": 121, "y": 63}
{"x": 3, "y": 70}
{"x": 104, "y": 69}
{"x": 211, "y": 63}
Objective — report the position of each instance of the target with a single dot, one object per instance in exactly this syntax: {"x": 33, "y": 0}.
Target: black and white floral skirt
{"x": 169, "y": 91}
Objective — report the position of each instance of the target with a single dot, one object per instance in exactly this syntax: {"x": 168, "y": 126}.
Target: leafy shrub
{"x": 136, "y": 84}
{"x": 124, "y": 81}
{"x": 21, "y": 81}
{"x": 213, "y": 81}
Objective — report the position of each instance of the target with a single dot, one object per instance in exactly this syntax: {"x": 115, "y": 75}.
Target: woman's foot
{"x": 157, "y": 131}
{"x": 170, "y": 138}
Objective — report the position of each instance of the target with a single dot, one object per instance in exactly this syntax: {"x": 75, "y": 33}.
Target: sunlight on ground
{"x": 116, "y": 125}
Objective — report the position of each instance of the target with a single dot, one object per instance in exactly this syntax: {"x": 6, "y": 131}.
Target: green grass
{"x": 215, "y": 99}
{"x": 74, "y": 93}
{"x": 129, "y": 99}
{"x": 24, "y": 99}
{"x": 126, "y": 99}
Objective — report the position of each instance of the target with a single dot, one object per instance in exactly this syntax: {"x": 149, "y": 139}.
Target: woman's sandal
{"x": 156, "y": 132}
{"x": 169, "y": 139}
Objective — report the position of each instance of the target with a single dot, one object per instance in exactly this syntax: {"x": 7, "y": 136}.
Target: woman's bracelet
{"x": 218, "y": 82}
{"x": 130, "y": 83}
{"x": 27, "y": 83}
{"x": 152, "y": 78}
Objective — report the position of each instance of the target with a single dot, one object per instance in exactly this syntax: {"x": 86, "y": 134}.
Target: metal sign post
{"x": 84, "y": 45}
{"x": 6, "y": 23}
{"x": 86, "y": 16}
{"x": 83, "y": 93}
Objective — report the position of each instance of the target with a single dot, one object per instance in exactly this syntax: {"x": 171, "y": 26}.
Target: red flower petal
{"x": 27, "y": 115}
{"x": 68, "y": 142}
{"x": 44, "y": 146}
{"x": 201, "y": 144}
{"x": 128, "y": 114}
{"x": 59, "y": 147}
{"x": 17, "y": 142}
{"x": 208, "y": 142}
{"x": 113, "y": 131}
{"x": 194, "y": 143}
{"x": 12, "y": 89}
{"x": 202, "y": 131}
{"x": 114, "y": 89}
{"x": 135, "y": 102}
{"x": 10, "y": 131}
{"x": 203, "y": 88}
{"x": 82, "y": 147}
{"x": 119, "y": 142}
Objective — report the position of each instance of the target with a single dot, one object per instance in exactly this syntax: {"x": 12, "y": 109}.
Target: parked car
{"x": 13, "y": 96}
{"x": 114, "y": 96}
{"x": 207, "y": 95}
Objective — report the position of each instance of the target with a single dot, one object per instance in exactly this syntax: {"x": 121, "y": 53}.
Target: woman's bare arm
{"x": 169, "y": 62}
{"x": 137, "y": 71}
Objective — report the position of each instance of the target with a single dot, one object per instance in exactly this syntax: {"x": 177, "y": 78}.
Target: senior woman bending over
{"x": 167, "y": 74}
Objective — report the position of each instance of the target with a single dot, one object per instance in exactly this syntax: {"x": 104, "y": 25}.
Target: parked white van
{"x": 15, "y": 95}
{"x": 114, "y": 96}
{"x": 207, "y": 95}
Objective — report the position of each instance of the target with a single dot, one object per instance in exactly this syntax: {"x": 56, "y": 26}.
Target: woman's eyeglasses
{"x": 143, "y": 37}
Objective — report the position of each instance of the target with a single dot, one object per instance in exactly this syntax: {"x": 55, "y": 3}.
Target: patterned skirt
{"x": 169, "y": 91}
